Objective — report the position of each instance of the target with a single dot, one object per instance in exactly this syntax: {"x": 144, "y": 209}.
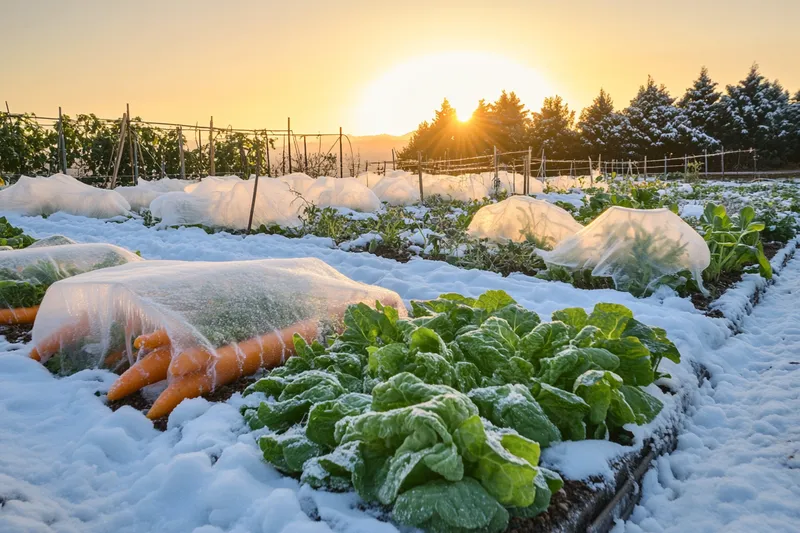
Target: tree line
{"x": 754, "y": 113}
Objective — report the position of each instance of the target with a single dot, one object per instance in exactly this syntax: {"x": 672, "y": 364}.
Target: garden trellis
{"x": 95, "y": 149}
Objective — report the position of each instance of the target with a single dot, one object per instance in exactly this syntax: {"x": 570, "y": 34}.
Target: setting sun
{"x": 398, "y": 100}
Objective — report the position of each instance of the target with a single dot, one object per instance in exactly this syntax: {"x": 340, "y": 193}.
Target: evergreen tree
{"x": 656, "y": 127}
{"x": 437, "y": 138}
{"x": 701, "y": 107}
{"x": 602, "y": 129}
{"x": 552, "y": 129}
{"x": 755, "y": 114}
{"x": 510, "y": 122}
{"x": 794, "y": 124}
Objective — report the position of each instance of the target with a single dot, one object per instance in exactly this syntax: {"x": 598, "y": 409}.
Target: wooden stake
{"x": 62, "y": 144}
{"x": 419, "y": 172}
{"x": 120, "y": 147}
{"x": 341, "y": 154}
{"x": 131, "y": 153}
{"x": 289, "y": 140}
{"x": 255, "y": 188}
{"x": 180, "y": 153}
{"x": 211, "y": 148}
{"x": 305, "y": 155}
{"x": 269, "y": 170}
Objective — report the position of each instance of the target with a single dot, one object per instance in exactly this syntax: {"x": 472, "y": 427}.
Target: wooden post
{"x": 269, "y": 171}
{"x": 394, "y": 164}
{"x": 685, "y": 165}
{"x": 305, "y": 155}
{"x": 341, "y": 154}
{"x": 665, "y": 167}
{"x": 591, "y": 175}
{"x": 419, "y": 172}
{"x": 722, "y": 161}
{"x": 180, "y": 153}
{"x": 544, "y": 167}
{"x": 211, "y": 149}
{"x": 599, "y": 162}
{"x": 289, "y": 140}
{"x": 255, "y": 189}
{"x": 645, "y": 167}
{"x": 528, "y": 172}
{"x": 496, "y": 174}
{"x": 199, "y": 149}
{"x": 243, "y": 160}
{"x": 131, "y": 152}
{"x": 62, "y": 142}
{"x": 705, "y": 162}
{"x": 755, "y": 162}
{"x": 120, "y": 147}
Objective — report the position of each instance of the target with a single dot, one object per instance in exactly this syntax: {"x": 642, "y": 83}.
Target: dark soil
{"x": 726, "y": 281}
{"x": 563, "y": 506}
{"x": 772, "y": 248}
{"x": 140, "y": 403}
{"x": 20, "y": 333}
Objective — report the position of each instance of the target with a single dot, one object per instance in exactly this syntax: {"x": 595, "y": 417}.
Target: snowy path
{"x": 737, "y": 466}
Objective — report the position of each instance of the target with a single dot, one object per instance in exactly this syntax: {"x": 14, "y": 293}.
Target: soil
{"x": 19, "y": 333}
{"x": 140, "y": 403}
{"x": 563, "y": 506}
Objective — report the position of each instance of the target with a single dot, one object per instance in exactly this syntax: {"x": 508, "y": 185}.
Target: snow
{"x": 736, "y": 466}
{"x": 70, "y": 464}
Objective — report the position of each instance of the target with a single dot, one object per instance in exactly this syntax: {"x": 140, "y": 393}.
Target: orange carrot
{"x": 232, "y": 362}
{"x": 20, "y": 315}
{"x": 151, "y": 341}
{"x": 180, "y": 389}
{"x": 112, "y": 359}
{"x": 150, "y": 369}
{"x": 198, "y": 358}
{"x": 67, "y": 334}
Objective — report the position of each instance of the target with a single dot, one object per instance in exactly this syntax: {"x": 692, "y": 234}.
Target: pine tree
{"x": 510, "y": 122}
{"x": 601, "y": 129}
{"x": 437, "y": 138}
{"x": 656, "y": 127}
{"x": 794, "y": 125}
{"x": 755, "y": 114}
{"x": 701, "y": 107}
{"x": 552, "y": 129}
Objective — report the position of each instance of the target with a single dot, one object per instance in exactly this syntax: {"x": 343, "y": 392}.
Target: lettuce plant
{"x": 442, "y": 416}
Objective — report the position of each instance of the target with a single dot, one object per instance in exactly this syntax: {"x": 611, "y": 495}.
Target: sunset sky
{"x": 369, "y": 66}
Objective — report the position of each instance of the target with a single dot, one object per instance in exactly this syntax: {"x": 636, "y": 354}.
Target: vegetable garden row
{"x": 435, "y": 417}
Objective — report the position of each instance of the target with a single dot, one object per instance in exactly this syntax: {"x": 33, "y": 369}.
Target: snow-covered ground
{"x": 68, "y": 464}
{"x": 737, "y": 466}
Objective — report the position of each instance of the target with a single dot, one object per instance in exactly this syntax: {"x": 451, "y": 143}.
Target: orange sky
{"x": 365, "y": 65}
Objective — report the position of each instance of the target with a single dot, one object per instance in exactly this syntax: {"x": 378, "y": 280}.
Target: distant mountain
{"x": 377, "y": 147}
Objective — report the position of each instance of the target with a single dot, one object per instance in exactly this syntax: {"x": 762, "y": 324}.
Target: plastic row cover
{"x": 566, "y": 183}
{"x": 205, "y": 306}
{"x": 225, "y": 201}
{"x": 59, "y": 192}
{"x": 26, "y": 274}
{"x": 634, "y": 247}
{"x": 141, "y": 195}
{"x": 521, "y": 218}
{"x": 512, "y": 182}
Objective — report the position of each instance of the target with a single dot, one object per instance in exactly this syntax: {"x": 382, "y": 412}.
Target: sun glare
{"x": 402, "y": 97}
